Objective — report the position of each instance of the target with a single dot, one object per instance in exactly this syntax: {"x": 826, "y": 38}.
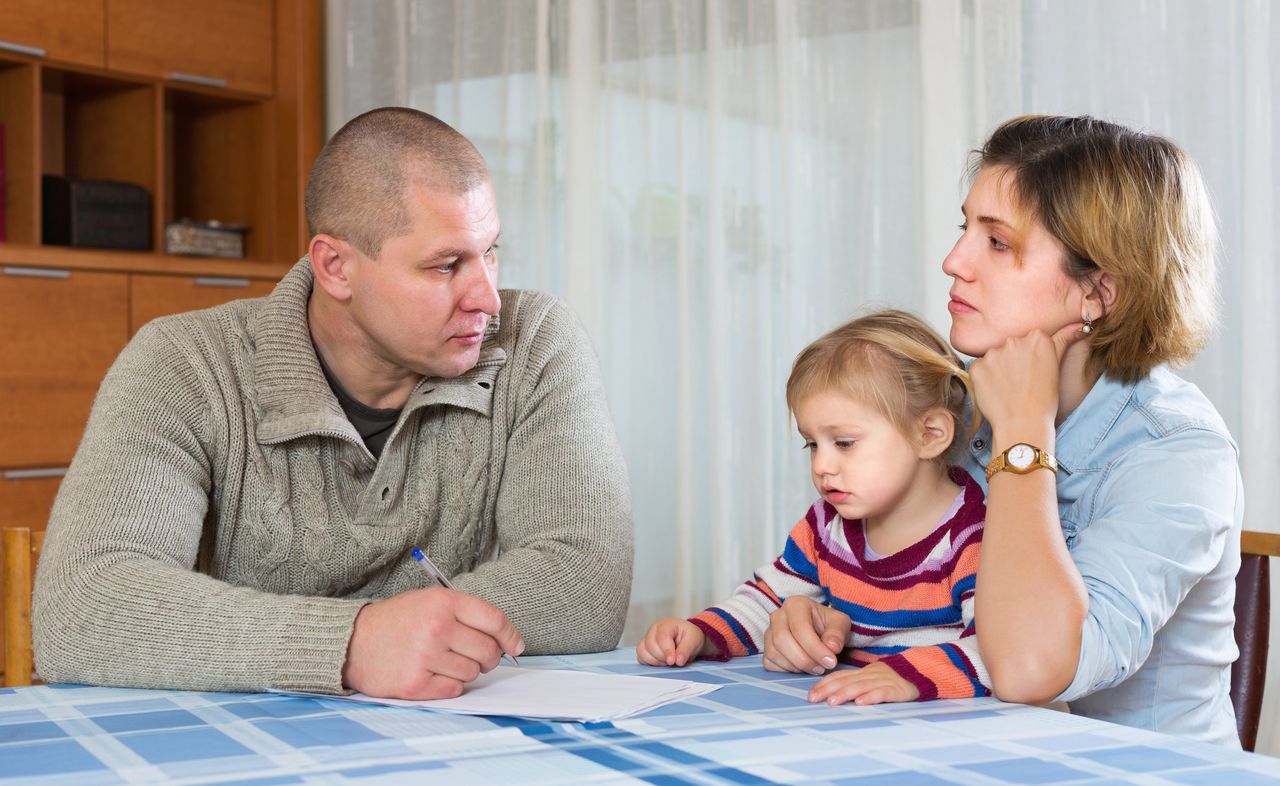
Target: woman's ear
{"x": 1101, "y": 295}
{"x": 935, "y": 430}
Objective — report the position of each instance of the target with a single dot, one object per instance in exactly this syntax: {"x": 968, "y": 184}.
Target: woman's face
{"x": 1007, "y": 279}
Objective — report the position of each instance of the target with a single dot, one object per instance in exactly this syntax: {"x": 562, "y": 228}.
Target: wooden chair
{"x": 21, "y": 552}
{"x": 1253, "y": 629}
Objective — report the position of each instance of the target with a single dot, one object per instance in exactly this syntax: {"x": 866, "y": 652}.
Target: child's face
{"x": 861, "y": 463}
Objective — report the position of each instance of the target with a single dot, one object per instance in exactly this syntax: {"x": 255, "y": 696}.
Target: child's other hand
{"x": 670, "y": 641}
{"x": 872, "y": 684}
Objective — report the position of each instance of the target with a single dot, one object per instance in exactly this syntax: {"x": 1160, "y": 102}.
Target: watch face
{"x": 1021, "y": 456}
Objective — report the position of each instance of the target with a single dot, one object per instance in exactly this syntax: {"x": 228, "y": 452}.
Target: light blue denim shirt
{"x": 1151, "y": 503}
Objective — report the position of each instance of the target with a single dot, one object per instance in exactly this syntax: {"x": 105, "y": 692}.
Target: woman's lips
{"x": 958, "y": 306}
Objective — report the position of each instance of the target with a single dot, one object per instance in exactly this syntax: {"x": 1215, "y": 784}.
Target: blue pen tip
{"x": 416, "y": 554}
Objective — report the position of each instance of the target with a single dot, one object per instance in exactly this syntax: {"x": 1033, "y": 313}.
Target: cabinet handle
{"x": 196, "y": 79}
{"x": 29, "y": 474}
{"x": 238, "y": 283}
{"x": 36, "y": 272}
{"x": 22, "y": 49}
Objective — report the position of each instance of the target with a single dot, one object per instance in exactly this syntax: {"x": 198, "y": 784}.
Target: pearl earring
{"x": 1088, "y": 326}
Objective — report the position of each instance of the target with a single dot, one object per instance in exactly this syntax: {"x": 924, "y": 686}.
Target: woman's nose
{"x": 956, "y": 264}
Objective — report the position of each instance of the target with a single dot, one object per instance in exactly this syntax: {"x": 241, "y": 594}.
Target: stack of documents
{"x": 552, "y": 694}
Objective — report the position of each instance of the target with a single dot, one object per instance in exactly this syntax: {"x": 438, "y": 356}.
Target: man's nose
{"x": 482, "y": 291}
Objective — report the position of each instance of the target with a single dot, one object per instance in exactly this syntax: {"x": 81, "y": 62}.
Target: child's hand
{"x": 871, "y": 684}
{"x": 670, "y": 642}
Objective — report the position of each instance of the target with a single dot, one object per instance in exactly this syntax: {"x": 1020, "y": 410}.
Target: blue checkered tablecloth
{"x": 757, "y": 728}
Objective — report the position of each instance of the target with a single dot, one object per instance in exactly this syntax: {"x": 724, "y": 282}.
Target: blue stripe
{"x": 798, "y": 561}
{"x": 898, "y": 619}
{"x": 886, "y": 650}
{"x": 966, "y": 584}
{"x": 737, "y": 629}
{"x": 953, "y": 654}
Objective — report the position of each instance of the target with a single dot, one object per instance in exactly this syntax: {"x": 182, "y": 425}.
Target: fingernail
{"x": 520, "y": 647}
{"x": 815, "y": 670}
{"x": 830, "y": 663}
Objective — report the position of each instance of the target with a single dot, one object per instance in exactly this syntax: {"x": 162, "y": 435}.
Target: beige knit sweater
{"x": 215, "y": 445}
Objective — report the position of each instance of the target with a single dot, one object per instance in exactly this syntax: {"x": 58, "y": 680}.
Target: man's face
{"x": 423, "y": 304}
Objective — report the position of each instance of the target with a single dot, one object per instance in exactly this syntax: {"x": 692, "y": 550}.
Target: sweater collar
{"x": 293, "y": 396}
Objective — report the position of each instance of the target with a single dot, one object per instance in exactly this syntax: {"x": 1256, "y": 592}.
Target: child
{"x": 891, "y": 546}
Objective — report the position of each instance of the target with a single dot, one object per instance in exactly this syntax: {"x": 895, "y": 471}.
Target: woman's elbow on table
{"x": 1028, "y": 677}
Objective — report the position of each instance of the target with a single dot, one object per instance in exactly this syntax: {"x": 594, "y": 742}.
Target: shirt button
{"x": 979, "y": 444}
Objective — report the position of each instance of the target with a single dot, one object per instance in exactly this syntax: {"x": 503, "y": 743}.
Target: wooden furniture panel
{"x": 19, "y": 93}
{"x": 69, "y": 30}
{"x": 26, "y": 495}
{"x": 61, "y": 335}
{"x": 227, "y": 43}
{"x": 158, "y": 296}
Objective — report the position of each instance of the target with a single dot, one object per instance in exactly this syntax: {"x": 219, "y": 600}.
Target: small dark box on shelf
{"x": 95, "y": 214}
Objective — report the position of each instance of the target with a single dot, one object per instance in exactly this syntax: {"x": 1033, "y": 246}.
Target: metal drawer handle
{"x": 22, "y": 49}
{"x": 29, "y": 474}
{"x": 36, "y": 272}
{"x": 196, "y": 79}
{"x": 239, "y": 283}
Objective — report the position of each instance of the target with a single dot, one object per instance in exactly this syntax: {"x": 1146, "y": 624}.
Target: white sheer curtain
{"x": 712, "y": 183}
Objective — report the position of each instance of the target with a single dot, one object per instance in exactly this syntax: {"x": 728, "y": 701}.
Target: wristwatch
{"x": 1021, "y": 459}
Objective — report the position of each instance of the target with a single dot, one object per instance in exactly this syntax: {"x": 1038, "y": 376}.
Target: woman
{"x": 1084, "y": 268}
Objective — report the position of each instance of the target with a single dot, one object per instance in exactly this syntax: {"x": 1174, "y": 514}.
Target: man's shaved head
{"x": 356, "y": 191}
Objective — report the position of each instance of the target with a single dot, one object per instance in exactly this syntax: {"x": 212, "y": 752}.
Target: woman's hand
{"x": 804, "y": 636}
{"x": 671, "y": 641}
{"x": 1015, "y": 385}
{"x": 872, "y": 684}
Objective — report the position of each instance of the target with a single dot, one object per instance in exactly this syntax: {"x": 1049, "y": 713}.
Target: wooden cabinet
{"x": 62, "y": 331}
{"x": 88, "y": 89}
{"x": 158, "y": 296}
{"x": 227, "y": 43}
{"x": 68, "y": 30}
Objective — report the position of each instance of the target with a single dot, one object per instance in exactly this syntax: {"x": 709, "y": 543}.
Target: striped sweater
{"x": 912, "y": 611}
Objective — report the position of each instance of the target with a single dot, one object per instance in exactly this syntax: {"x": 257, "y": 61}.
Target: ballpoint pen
{"x": 439, "y": 578}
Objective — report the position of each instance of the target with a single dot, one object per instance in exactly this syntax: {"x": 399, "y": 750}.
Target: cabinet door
{"x": 158, "y": 296}
{"x": 59, "y": 333}
{"x": 68, "y": 30}
{"x": 225, "y": 43}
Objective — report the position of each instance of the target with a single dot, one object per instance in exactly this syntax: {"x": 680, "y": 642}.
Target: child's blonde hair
{"x": 892, "y": 361}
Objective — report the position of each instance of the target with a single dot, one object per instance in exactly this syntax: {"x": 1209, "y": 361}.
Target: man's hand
{"x": 425, "y": 644}
{"x": 804, "y": 636}
{"x": 672, "y": 641}
{"x": 871, "y": 684}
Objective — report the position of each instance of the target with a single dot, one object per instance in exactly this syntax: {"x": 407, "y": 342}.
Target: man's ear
{"x": 1101, "y": 295}
{"x": 934, "y": 432}
{"x": 331, "y": 259}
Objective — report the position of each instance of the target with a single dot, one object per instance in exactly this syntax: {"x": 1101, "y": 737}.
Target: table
{"x": 757, "y": 728}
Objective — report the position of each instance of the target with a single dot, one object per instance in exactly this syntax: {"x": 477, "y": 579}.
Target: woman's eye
{"x": 446, "y": 269}
{"x": 963, "y": 226}
{"x": 998, "y": 244}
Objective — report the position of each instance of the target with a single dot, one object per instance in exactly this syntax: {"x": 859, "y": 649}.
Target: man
{"x": 241, "y": 511}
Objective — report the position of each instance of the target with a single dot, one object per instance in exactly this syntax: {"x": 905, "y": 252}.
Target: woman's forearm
{"x": 1030, "y": 601}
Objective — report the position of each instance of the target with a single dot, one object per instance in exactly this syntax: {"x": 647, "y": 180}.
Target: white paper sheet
{"x": 551, "y": 694}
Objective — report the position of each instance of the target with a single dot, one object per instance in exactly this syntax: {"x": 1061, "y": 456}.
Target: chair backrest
{"x": 21, "y": 552}
{"x": 1253, "y": 630}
